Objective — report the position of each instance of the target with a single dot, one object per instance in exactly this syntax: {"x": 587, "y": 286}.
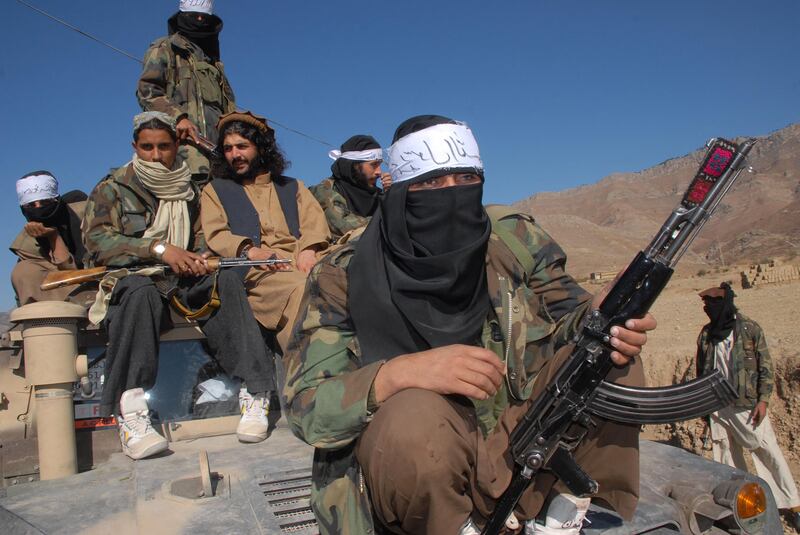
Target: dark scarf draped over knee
{"x": 204, "y": 34}
{"x": 361, "y": 197}
{"x": 418, "y": 277}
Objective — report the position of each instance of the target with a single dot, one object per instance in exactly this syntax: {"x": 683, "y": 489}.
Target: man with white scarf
{"x": 146, "y": 213}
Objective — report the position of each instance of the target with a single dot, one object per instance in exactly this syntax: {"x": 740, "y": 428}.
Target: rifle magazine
{"x": 665, "y": 404}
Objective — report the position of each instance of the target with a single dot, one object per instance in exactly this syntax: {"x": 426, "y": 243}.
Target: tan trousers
{"x": 275, "y": 298}
{"x": 428, "y": 467}
{"x": 732, "y": 434}
{"x": 28, "y": 275}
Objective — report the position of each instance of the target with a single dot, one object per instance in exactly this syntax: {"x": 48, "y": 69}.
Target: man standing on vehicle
{"x": 184, "y": 78}
{"x": 51, "y": 238}
{"x": 251, "y": 210}
{"x": 350, "y": 196}
{"x": 439, "y": 306}
{"x": 145, "y": 213}
{"x": 736, "y": 345}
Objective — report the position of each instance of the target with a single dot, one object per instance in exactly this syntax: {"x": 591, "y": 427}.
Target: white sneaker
{"x": 136, "y": 433}
{"x": 253, "y": 425}
{"x": 565, "y": 516}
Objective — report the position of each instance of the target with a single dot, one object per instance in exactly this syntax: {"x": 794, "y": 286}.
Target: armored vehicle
{"x": 62, "y": 469}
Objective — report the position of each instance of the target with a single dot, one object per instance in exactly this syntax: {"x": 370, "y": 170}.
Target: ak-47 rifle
{"x": 57, "y": 279}
{"x": 545, "y": 436}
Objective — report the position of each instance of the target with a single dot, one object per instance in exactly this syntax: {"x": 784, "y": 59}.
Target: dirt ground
{"x": 669, "y": 354}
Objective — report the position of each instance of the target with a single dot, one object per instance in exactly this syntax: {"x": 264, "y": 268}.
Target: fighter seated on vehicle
{"x": 51, "y": 239}
{"x": 251, "y": 210}
{"x": 430, "y": 314}
{"x": 349, "y": 196}
{"x": 145, "y": 213}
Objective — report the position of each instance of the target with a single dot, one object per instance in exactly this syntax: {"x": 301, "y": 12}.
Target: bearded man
{"x": 184, "y": 78}
{"x": 439, "y": 307}
{"x": 145, "y": 213}
{"x": 51, "y": 238}
{"x": 251, "y": 210}
{"x": 736, "y": 345}
{"x": 349, "y": 196}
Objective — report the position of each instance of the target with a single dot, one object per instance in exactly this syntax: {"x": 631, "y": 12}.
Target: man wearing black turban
{"x": 422, "y": 341}
{"x": 350, "y": 196}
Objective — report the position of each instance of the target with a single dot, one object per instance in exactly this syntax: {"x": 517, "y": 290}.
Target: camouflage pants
{"x": 428, "y": 467}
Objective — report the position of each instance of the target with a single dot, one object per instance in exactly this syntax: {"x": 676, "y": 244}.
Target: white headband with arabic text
{"x": 442, "y": 146}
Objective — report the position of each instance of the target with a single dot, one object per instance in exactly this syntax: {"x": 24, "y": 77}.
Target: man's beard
{"x": 255, "y": 167}
{"x": 361, "y": 177}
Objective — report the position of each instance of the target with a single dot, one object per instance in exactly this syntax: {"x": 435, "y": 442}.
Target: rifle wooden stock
{"x": 57, "y": 279}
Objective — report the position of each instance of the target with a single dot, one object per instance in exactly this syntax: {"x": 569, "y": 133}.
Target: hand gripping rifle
{"x": 57, "y": 279}
{"x": 543, "y": 439}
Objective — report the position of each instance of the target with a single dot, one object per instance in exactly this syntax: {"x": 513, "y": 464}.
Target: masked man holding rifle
{"x": 146, "y": 212}
{"x": 441, "y": 305}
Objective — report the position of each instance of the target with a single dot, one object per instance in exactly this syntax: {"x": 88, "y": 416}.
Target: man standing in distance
{"x": 146, "y": 212}
{"x": 350, "y": 196}
{"x": 736, "y": 345}
{"x": 251, "y": 210}
{"x": 184, "y": 78}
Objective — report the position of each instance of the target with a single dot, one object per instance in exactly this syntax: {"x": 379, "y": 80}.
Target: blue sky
{"x": 559, "y": 93}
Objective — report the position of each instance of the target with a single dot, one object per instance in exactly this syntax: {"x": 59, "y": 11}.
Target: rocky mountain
{"x": 602, "y": 225}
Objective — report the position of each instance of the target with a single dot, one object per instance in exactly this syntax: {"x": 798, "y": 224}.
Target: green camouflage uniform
{"x": 118, "y": 212}
{"x": 341, "y": 219}
{"x": 180, "y": 80}
{"x": 750, "y": 364}
{"x": 537, "y": 308}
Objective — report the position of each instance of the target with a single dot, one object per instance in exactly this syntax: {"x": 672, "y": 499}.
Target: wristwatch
{"x": 159, "y": 248}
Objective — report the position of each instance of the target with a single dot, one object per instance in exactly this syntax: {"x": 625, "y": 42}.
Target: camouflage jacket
{"x": 750, "y": 364}
{"x": 537, "y": 308}
{"x": 178, "y": 78}
{"x": 341, "y": 219}
{"x": 118, "y": 212}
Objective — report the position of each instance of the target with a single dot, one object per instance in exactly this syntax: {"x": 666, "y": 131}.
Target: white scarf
{"x": 173, "y": 189}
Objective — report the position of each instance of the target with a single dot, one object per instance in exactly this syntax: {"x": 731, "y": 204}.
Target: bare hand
{"x": 628, "y": 340}
{"x": 306, "y": 260}
{"x": 456, "y": 369}
{"x": 386, "y": 180}
{"x": 34, "y": 229}
{"x": 184, "y": 263}
{"x": 262, "y": 253}
{"x": 186, "y": 129}
{"x": 758, "y": 414}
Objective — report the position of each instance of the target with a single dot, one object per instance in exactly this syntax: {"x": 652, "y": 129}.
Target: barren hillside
{"x": 613, "y": 218}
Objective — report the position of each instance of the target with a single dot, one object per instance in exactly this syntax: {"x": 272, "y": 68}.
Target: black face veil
{"x": 418, "y": 277}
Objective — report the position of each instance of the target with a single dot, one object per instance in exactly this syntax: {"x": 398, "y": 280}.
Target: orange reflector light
{"x": 750, "y": 501}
